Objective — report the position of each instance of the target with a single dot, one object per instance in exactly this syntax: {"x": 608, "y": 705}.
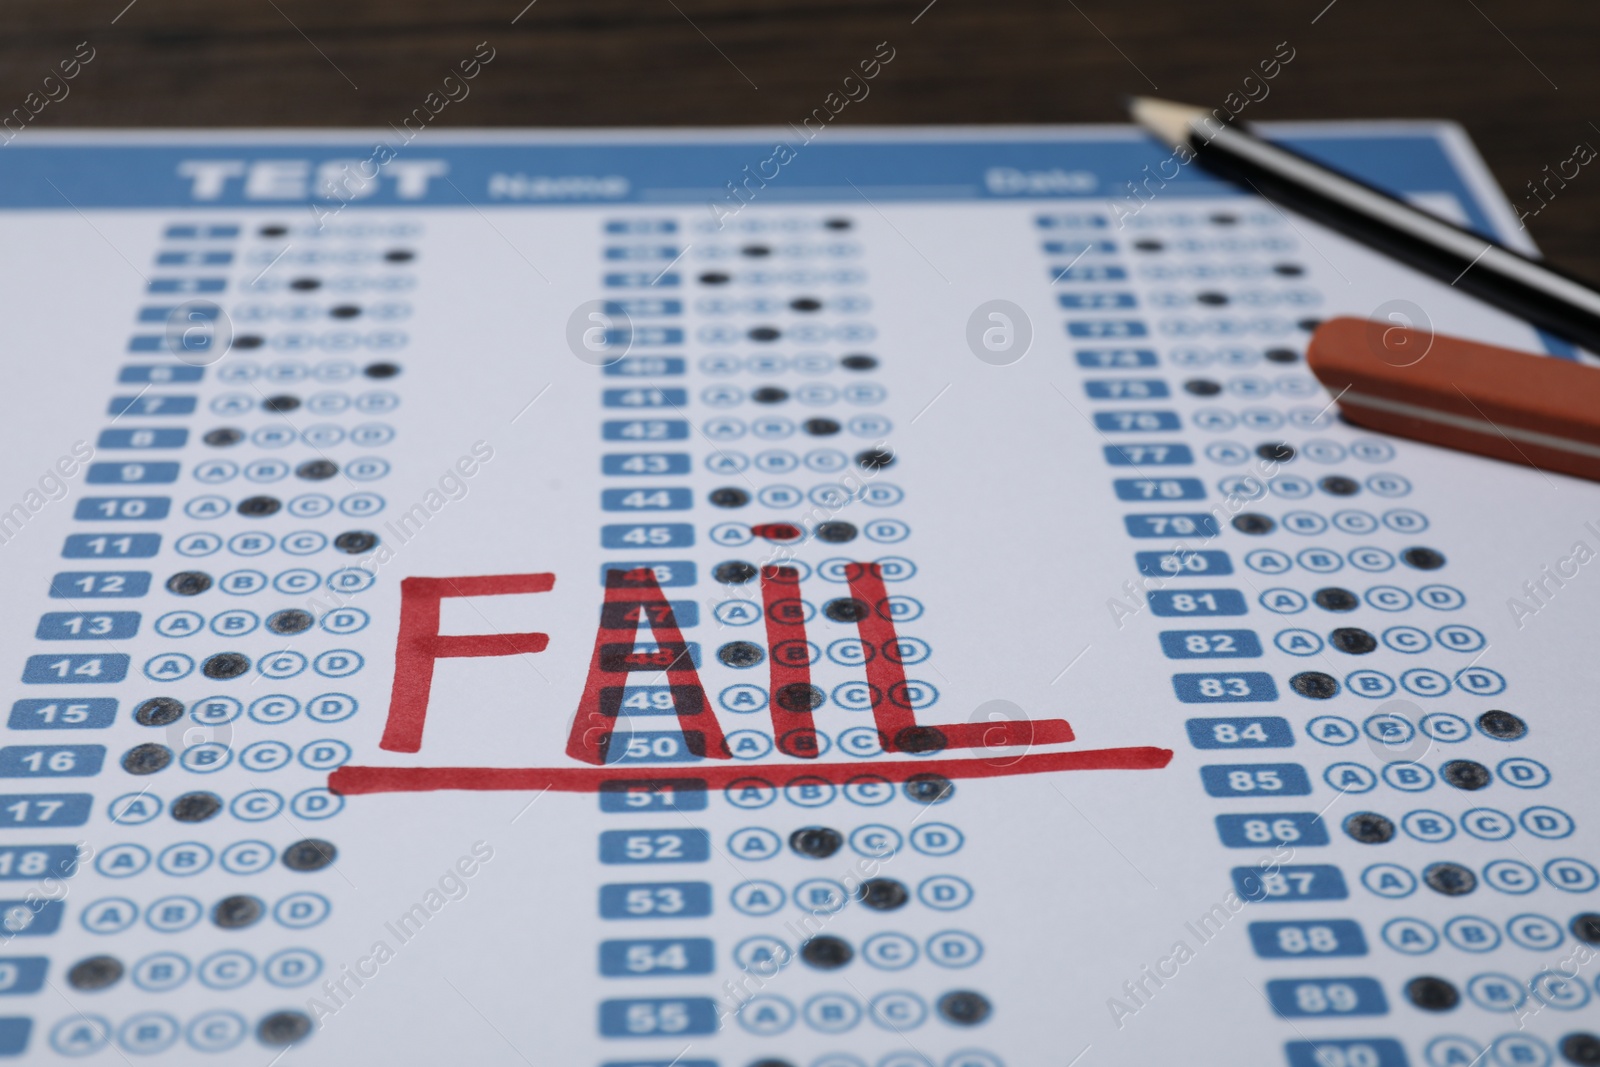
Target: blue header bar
{"x": 720, "y": 173}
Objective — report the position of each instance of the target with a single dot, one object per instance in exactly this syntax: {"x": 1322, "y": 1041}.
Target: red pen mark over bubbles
{"x": 630, "y": 595}
{"x": 634, "y": 596}
{"x": 891, "y": 697}
{"x": 777, "y": 531}
{"x": 789, "y": 660}
{"x": 349, "y": 781}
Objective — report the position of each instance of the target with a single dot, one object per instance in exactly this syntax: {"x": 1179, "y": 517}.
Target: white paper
{"x": 1103, "y": 926}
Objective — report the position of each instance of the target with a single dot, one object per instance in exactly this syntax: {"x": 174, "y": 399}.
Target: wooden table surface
{"x": 1520, "y": 76}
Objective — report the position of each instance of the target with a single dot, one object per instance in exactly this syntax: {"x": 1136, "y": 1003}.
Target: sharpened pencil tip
{"x": 1167, "y": 119}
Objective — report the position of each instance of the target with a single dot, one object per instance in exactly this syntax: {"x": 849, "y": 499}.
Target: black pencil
{"x": 1531, "y": 290}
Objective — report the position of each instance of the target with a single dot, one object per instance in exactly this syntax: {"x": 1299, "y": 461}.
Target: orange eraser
{"x": 1499, "y": 402}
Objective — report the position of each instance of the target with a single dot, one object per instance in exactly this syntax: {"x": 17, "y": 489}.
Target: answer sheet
{"x": 893, "y": 598}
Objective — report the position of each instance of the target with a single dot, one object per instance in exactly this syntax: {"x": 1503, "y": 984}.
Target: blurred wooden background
{"x": 1521, "y": 76}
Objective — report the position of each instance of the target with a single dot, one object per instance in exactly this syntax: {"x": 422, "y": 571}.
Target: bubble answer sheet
{"x": 747, "y": 598}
